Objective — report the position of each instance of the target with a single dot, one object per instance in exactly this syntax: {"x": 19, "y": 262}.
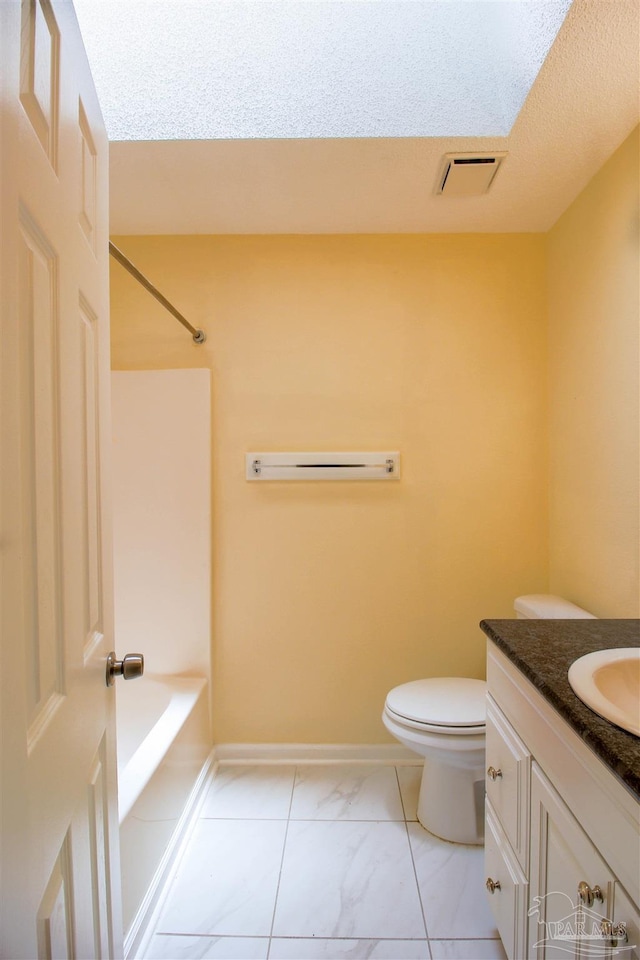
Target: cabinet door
{"x": 507, "y": 780}
{"x": 627, "y": 916}
{"x": 507, "y": 888}
{"x": 562, "y": 922}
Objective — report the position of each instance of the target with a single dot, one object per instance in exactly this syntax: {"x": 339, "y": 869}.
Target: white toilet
{"x": 443, "y": 719}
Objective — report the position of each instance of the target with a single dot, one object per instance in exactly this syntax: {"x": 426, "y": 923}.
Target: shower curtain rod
{"x": 199, "y": 336}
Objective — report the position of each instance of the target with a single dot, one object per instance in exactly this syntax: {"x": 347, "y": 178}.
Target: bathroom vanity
{"x": 562, "y": 839}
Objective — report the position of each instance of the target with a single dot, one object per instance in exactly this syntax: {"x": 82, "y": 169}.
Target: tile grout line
{"x": 284, "y": 847}
{"x": 302, "y": 819}
{"x": 413, "y": 864}
{"x": 404, "y": 812}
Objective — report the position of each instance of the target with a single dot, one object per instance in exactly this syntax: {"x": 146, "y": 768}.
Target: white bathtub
{"x": 150, "y": 713}
{"x": 164, "y": 741}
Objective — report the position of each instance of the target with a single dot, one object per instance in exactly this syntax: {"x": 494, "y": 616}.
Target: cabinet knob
{"x": 588, "y": 894}
{"x": 613, "y": 933}
{"x": 494, "y": 774}
{"x": 492, "y": 885}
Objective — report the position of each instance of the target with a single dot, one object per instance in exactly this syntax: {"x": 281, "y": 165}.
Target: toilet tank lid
{"x": 545, "y": 606}
{"x": 445, "y": 701}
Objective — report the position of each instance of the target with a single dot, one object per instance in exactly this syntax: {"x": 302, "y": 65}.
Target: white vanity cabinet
{"x": 562, "y": 839}
{"x": 563, "y": 857}
{"x": 508, "y": 886}
{"x": 507, "y": 829}
{"x": 508, "y": 781}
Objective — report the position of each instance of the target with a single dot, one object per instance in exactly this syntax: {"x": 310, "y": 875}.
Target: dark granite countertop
{"x": 543, "y": 650}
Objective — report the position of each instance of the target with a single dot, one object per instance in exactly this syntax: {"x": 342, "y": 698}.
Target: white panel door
{"x": 60, "y": 869}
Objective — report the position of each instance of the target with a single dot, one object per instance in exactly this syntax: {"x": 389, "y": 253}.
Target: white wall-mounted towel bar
{"x": 323, "y": 466}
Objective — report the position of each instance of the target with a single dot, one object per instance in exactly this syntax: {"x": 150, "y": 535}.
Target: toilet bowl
{"x": 443, "y": 719}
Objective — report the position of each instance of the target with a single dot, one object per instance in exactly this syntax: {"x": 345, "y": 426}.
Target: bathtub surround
{"x": 162, "y": 537}
{"x": 162, "y": 517}
{"x": 328, "y": 595}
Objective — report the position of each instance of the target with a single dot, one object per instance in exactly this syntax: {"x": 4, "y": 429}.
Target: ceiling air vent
{"x": 468, "y": 174}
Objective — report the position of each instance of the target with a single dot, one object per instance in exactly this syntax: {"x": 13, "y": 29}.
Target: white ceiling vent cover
{"x": 468, "y": 174}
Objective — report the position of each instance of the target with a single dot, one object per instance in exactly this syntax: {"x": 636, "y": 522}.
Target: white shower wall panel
{"x": 162, "y": 517}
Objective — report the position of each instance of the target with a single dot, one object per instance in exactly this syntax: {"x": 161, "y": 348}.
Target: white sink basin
{"x": 608, "y": 681}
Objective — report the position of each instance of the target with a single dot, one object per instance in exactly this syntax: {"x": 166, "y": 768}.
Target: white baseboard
{"x": 383, "y": 753}
{"x": 144, "y": 922}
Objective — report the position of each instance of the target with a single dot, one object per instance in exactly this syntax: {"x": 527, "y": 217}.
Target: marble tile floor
{"x": 322, "y": 861}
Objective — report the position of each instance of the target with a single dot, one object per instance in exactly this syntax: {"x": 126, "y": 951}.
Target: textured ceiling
{"x": 202, "y": 70}
{"x": 581, "y": 107}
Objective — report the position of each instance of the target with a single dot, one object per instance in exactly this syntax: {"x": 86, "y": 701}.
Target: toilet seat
{"x": 445, "y": 704}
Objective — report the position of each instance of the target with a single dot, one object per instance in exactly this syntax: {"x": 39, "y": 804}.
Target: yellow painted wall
{"x": 325, "y": 595}
{"x": 594, "y": 297}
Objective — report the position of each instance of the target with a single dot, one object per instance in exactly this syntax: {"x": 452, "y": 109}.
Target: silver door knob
{"x": 130, "y": 667}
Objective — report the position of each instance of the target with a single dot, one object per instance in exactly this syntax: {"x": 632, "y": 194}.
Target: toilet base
{"x": 451, "y": 801}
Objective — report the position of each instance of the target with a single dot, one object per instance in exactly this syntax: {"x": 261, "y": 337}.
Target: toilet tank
{"x": 544, "y": 606}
